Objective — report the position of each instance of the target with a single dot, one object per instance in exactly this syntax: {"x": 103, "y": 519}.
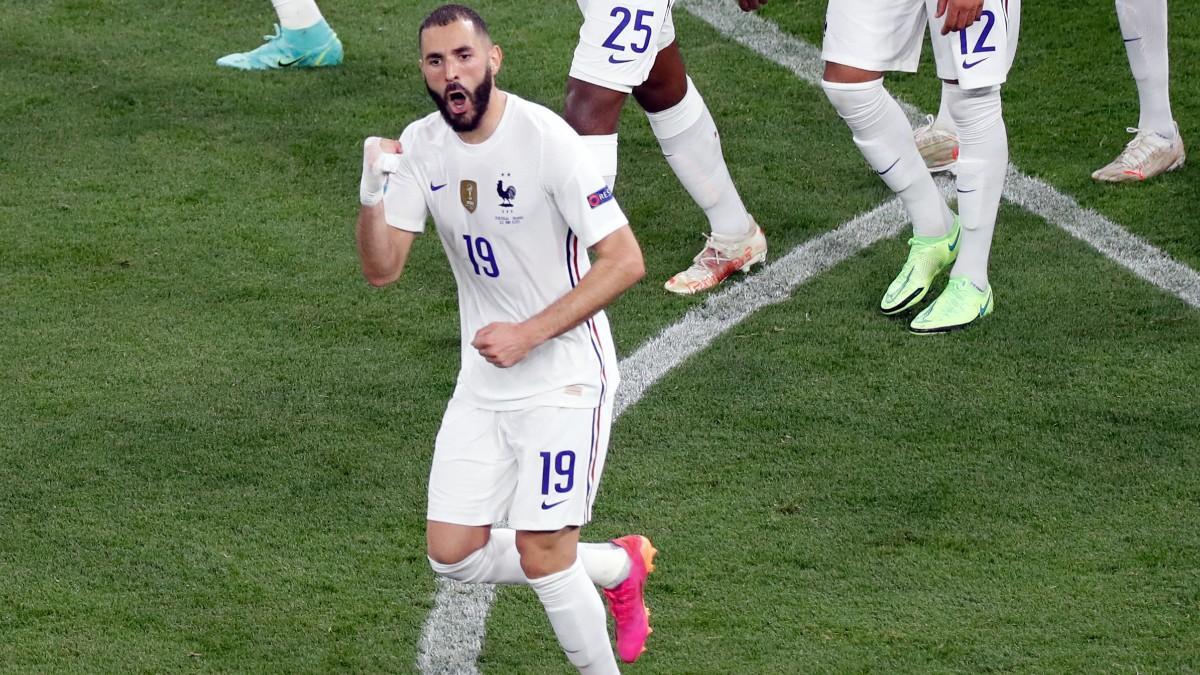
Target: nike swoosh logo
{"x": 968, "y": 66}
{"x": 1133, "y": 39}
{"x": 435, "y": 188}
{"x": 954, "y": 244}
{"x": 964, "y": 192}
{"x": 547, "y": 507}
{"x": 613, "y": 59}
{"x": 890, "y": 167}
{"x": 285, "y": 64}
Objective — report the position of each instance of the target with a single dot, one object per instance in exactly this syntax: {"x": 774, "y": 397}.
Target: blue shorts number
{"x": 989, "y": 17}
{"x": 563, "y": 465}
{"x": 639, "y": 26}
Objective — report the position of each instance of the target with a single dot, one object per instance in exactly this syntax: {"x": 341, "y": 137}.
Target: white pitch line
{"x": 1032, "y": 194}
{"x": 1102, "y": 234}
{"x": 452, "y": 638}
{"x": 736, "y": 302}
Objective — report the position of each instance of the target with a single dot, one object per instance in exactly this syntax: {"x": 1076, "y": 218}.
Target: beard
{"x": 478, "y": 98}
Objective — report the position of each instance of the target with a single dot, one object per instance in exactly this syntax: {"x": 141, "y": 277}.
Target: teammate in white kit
{"x": 516, "y": 203}
{"x": 974, "y": 42}
{"x": 1157, "y": 146}
{"x": 628, "y": 46}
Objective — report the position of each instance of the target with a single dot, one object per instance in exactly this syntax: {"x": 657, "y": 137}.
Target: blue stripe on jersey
{"x": 593, "y": 332}
{"x": 591, "y": 474}
{"x": 571, "y": 270}
{"x": 572, "y": 243}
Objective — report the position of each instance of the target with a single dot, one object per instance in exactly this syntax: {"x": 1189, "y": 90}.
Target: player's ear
{"x": 495, "y": 57}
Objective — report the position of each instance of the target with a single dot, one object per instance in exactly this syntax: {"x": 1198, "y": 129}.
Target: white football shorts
{"x": 885, "y": 35}
{"x": 537, "y": 468}
{"x": 619, "y": 41}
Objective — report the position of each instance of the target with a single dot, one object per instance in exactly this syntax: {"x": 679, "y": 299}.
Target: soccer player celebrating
{"x": 974, "y": 42}
{"x": 1157, "y": 146}
{"x": 629, "y": 47}
{"x": 302, "y": 39}
{"x": 525, "y": 435}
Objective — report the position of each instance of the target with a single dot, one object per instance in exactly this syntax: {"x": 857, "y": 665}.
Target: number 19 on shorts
{"x": 558, "y": 475}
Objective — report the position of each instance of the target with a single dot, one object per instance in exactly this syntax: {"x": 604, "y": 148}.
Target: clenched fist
{"x": 381, "y": 156}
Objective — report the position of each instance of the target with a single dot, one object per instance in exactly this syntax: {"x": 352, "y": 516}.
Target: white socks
{"x": 577, "y": 615}
{"x": 297, "y": 14}
{"x": 604, "y": 156}
{"x": 607, "y": 564}
{"x": 885, "y": 137}
{"x": 570, "y": 598}
{"x": 498, "y": 562}
{"x": 944, "y": 120}
{"x": 690, "y": 142}
{"x": 1144, "y": 29}
{"x": 982, "y": 166}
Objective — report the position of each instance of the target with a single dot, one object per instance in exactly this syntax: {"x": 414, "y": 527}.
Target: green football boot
{"x": 311, "y": 47}
{"x": 927, "y": 257}
{"x": 959, "y": 305}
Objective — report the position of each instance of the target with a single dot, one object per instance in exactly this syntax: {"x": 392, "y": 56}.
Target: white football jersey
{"x": 516, "y": 215}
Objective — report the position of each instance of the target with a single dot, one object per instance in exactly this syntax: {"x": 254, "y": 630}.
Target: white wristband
{"x": 376, "y": 166}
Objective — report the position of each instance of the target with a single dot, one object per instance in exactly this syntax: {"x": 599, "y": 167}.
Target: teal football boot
{"x": 313, "y": 47}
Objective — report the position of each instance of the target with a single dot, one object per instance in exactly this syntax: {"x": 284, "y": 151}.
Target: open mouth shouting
{"x": 462, "y": 108}
{"x": 457, "y": 100}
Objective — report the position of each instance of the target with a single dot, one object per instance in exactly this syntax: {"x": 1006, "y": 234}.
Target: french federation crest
{"x": 468, "y": 192}
{"x": 507, "y": 194}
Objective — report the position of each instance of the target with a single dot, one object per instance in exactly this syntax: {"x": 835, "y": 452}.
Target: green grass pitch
{"x": 214, "y": 436}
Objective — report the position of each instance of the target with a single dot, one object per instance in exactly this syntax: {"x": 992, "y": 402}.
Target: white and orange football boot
{"x": 1146, "y": 156}
{"x": 721, "y": 257}
{"x": 938, "y": 146}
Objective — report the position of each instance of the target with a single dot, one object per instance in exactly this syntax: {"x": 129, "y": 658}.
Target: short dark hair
{"x": 448, "y": 14}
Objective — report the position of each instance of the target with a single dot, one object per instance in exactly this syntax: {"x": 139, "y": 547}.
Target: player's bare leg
{"x": 450, "y": 545}
{"x": 594, "y": 113}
